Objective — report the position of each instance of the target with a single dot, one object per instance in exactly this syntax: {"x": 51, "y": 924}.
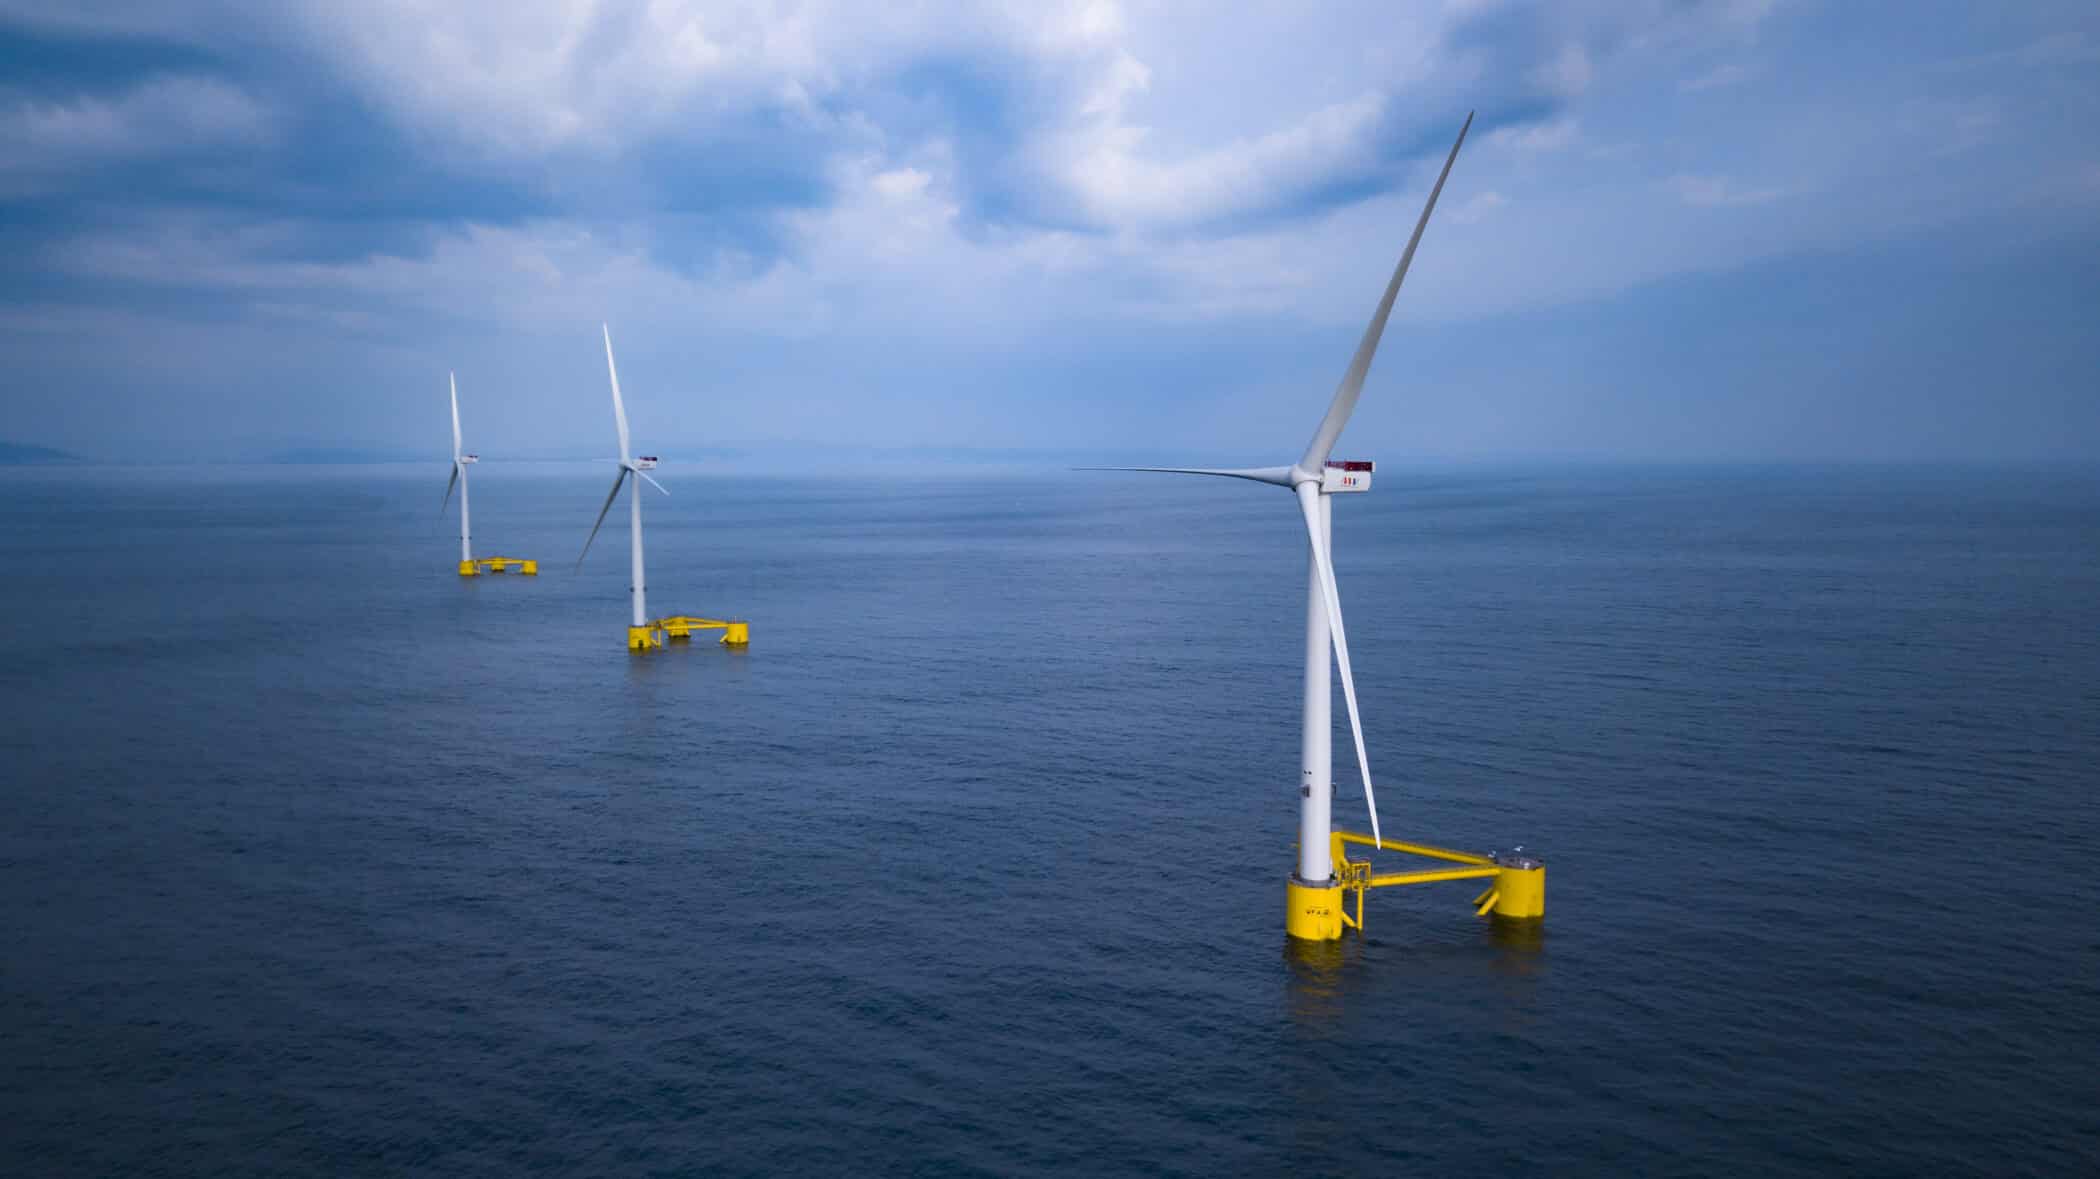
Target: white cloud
{"x": 1714, "y": 79}
{"x": 2067, "y": 47}
{"x": 1550, "y": 135}
{"x": 1949, "y": 126}
{"x": 900, "y": 182}
{"x": 1118, "y": 181}
{"x": 1478, "y": 207}
{"x": 1568, "y": 74}
{"x": 1706, "y": 191}
{"x": 1125, "y": 77}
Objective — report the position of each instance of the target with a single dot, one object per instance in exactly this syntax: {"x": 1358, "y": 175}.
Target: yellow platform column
{"x": 642, "y": 638}
{"x": 468, "y": 569}
{"x": 529, "y": 568}
{"x": 1313, "y": 912}
{"x": 1520, "y": 887}
{"x": 736, "y": 634}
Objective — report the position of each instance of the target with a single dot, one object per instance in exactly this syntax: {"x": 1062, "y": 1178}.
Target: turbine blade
{"x": 449, "y": 484}
{"x": 1352, "y": 385}
{"x": 653, "y": 483}
{"x": 455, "y": 420}
{"x": 1280, "y": 476}
{"x": 1309, "y": 502}
{"x": 619, "y": 410}
{"x": 615, "y": 494}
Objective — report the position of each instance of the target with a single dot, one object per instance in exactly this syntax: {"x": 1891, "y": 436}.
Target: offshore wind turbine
{"x": 468, "y": 566}
{"x": 1314, "y": 892}
{"x": 644, "y": 633}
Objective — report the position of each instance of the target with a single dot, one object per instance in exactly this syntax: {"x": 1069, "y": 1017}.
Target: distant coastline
{"x": 340, "y": 456}
{"x": 25, "y": 455}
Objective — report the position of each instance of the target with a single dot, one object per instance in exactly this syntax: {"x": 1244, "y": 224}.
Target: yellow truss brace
{"x": 650, "y": 635}
{"x": 1519, "y": 891}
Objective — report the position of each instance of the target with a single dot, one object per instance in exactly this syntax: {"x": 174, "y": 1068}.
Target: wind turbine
{"x": 468, "y": 566}
{"x": 644, "y": 634}
{"x": 1314, "y": 890}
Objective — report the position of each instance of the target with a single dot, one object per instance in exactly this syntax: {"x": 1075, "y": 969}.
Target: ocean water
{"x": 314, "y": 857}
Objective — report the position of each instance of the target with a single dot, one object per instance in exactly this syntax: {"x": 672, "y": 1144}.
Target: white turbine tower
{"x": 639, "y": 634}
{"x": 1314, "y": 902}
{"x": 468, "y": 566}
{"x": 645, "y": 633}
{"x": 459, "y": 476}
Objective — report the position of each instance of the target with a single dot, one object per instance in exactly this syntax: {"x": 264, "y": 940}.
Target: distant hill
{"x": 21, "y": 454}
{"x": 340, "y": 455}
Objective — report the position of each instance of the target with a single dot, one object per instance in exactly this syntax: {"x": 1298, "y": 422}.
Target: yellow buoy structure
{"x": 469, "y": 564}
{"x": 645, "y": 633}
{"x": 1324, "y": 877}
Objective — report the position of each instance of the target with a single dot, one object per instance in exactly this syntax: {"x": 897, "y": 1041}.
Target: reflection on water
{"x": 1523, "y": 937}
{"x": 1317, "y": 981}
{"x": 1324, "y": 980}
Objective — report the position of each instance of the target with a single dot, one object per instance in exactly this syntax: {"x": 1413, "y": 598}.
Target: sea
{"x": 316, "y": 857}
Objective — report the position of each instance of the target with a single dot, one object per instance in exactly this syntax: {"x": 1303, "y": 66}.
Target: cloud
{"x": 1568, "y": 74}
{"x": 531, "y": 76}
{"x": 1948, "y": 127}
{"x": 1117, "y": 181}
{"x": 1707, "y": 191}
{"x": 1730, "y": 74}
{"x": 1478, "y": 207}
{"x": 1075, "y": 112}
{"x": 1553, "y": 134}
{"x": 2068, "y": 47}
{"x": 901, "y": 183}
{"x": 154, "y": 119}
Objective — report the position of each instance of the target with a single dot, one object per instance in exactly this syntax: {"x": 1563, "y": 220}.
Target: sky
{"x": 1736, "y": 230}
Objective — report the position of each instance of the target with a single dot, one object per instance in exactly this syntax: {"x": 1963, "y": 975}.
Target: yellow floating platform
{"x": 1316, "y": 912}
{"x": 652, "y": 635}
{"x": 479, "y": 565}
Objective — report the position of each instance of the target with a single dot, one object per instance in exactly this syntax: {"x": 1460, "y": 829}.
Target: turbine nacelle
{"x": 1334, "y": 477}
{"x": 1347, "y": 477}
{"x": 467, "y": 458}
{"x": 645, "y": 462}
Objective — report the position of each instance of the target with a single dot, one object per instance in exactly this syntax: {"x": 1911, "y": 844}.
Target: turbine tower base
{"x": 651, "y": 635}
{"x": 1313, "y": 912}
{"x": 478, "y": 565}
